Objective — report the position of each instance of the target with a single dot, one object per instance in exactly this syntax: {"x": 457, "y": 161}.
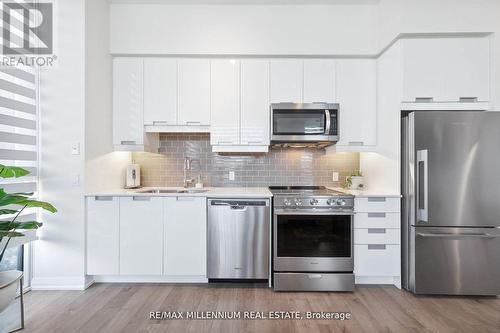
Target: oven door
{"x": 312, "y": 241}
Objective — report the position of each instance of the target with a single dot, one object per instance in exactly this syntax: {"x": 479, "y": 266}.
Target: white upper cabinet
{"x": 128, "y": 112}
{"x": 357, "y": 96}
{"x": 160, "y": 91}
{"x": 185, "y": 249}
{"x": 255, "y": 106}
{"x": 319, "y": 80}
{"x": 141, "y": 240}
{"x": 225, "y": 102}
{"x": 194, "y": 91}
{"x": 446, "y": 69}
{"x": 287, "y": 80}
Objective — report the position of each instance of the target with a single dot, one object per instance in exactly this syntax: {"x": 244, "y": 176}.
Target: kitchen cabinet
{"x": 287, "y": 80}
{"x": 128, "y": 112}
{"x": 446, "y": 69}
{"x": 357, "y": 96}
{"x": 225, "y": 102}
{"x": 319, "y": 80}
{"x": 185, "y": 249}
{"x": 160, "y": 91}
{"x": 194, "y": 92}
{"x": 255, "y": 106}
{"x": 141, "y": 235}
{"x": 103, "y": 229}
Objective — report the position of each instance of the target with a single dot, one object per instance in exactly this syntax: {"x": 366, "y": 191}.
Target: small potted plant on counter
{"x": 354, "y": 181}
{"x": 12, "y": 226}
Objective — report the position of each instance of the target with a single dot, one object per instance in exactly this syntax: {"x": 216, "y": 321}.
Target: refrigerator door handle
{"x": 451, "y": 235}
{"x": 423, "y": 185}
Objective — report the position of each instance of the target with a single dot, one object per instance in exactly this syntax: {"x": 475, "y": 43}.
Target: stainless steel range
{"x": 312, "y": 239}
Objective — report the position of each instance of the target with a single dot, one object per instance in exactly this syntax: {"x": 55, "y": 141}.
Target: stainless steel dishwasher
{"x": 238, "y": 238}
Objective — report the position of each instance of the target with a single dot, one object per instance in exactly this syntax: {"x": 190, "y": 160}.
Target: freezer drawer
{"x": 238, "y": 239}
{"x": 457, "y": 261}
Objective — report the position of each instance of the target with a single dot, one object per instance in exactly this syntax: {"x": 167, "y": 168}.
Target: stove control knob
{"x": 313, "y": 202}
{"x": 330, "y": 202}
{"x": 298, "y": 202}
{"x": 287, "y": 202}
{"x": 341, "y": 202}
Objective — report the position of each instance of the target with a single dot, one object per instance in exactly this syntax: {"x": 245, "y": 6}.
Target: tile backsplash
{"x": 279, "y": 167}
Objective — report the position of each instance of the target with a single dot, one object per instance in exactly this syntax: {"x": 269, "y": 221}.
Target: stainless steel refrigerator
{"x": 451, "y": 202}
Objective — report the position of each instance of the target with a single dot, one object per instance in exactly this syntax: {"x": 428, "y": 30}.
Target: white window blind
{"x": 18, "y": 126}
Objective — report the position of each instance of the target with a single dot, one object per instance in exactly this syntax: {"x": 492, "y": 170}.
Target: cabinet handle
{"x": 127, "y": 142}
{"x": 467, "y": 99}
{"x": 376, "y": 199}
{"x": 424, "y": 99}
{"x": 224, "y": 142}
{"x": 192, "y": 122}
{"x": 376, "y": 215}
{"x": 356, "y": 143}
{"x": 160, "y": 122}
{"x": 103, "y": 198}
{"x": 184, "y": 198}
{"x": 253, "y": 142}
{"x": 141, "y": 198}
{"x": 377, "y": 231}
{"x": 314, "y": 276}
{"x": 376, "y": 247}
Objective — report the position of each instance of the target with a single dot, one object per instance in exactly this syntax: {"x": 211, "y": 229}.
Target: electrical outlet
{"x": 335, "y": 176}
{"x": 75, "y": 149}
{"x": 231, "y": 175}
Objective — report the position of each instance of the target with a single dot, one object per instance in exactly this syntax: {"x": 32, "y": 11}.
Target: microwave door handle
{"x": 327, "y": 126}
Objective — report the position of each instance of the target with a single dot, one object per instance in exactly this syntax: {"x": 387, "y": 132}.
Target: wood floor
{"x": 126, "y": 308}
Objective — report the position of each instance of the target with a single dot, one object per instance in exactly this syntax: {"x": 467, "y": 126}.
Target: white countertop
{"x": 366, "y": 193}
{"x": 211, "y": 192}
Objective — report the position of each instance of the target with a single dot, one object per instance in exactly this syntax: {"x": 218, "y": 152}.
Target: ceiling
{"x": 250, "y": 2}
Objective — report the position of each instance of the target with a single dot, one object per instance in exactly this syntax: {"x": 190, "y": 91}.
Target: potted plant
{"x": 11, "y": 207}
{"x": 354, "y": 181}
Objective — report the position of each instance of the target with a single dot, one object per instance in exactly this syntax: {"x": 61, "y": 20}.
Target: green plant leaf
{"x": 29, "y": 225}
{"x": 9, "y": 199}
{"x": 10, "y": 234}
{"x": 11, "y": 171}
{"x": 8, "y": 211}
{"x": 38, "y": 204}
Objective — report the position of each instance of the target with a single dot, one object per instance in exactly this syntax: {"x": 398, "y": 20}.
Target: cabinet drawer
{"x": 377, "y": 260}
{"x": 377, "y": 220}
{"x": 377, "y": 205}
{"x": 377, "y": 236}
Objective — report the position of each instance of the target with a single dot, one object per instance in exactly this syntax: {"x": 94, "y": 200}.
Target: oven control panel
{"x": 340, "y": 202}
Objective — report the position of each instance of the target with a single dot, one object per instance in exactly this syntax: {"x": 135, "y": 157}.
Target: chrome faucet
{"x": 187, "y": 166}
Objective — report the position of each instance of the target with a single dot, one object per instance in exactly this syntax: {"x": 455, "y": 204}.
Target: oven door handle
{"x": 310, "y": 212}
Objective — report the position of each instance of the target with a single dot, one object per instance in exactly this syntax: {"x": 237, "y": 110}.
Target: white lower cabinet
{"x": 377, "y": 240}
{"x": 185, "y": 252}
{"x": 103, "y": 242}
{"x": 141, "y": 240}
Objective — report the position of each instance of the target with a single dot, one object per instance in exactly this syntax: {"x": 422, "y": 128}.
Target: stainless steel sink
{"x": 160, "y": 191}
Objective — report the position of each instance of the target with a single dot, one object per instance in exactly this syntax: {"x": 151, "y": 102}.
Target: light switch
{"x": 75, "y": 149}
{"x": 231, "y": 175}
{"x": 75, "y": 180}
{"x": 335, "y": 176}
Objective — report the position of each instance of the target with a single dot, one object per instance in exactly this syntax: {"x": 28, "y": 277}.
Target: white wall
{"x": 58, "y": 258}
{"x": 104, "y": 168}
{"x": 242, "y": 29}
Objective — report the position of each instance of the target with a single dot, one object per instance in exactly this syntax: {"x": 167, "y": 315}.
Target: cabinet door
{"x": 225, "y": 102}
{"x": 194, "y": 91}
{"x": 319, "y": 80}
{"x": 446, "y": 69}
{"x": 160, "y": 91}
{"x": 286, "y": 80}
{"x": 128, "y": 122}
{"x": 255, "y": 108}
{"x": 103, "y": 232}
{"x": 141, "y": 230}
{"x": 357, "y": 95}
{"x": 185, "y": 236}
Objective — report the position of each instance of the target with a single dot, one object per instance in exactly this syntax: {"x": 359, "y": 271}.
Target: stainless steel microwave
{"x": 307, "y": 123}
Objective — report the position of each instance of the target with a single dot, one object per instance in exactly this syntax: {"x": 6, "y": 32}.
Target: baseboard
{"x": 392, "y": 280}
{"x": 61, "y": 282}
{"x": 149, "y": 279}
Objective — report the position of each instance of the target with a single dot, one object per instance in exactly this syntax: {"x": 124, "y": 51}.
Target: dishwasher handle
{"x": 239, "y": 204}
